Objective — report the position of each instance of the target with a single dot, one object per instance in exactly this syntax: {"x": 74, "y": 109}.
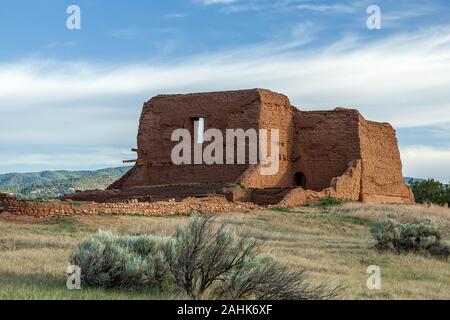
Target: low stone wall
{"x": 213, "y": 204}
{"x": 149, "y": 193}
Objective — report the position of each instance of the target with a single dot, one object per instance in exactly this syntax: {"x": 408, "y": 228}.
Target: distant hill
{"x": 409, "y": 179}
{"x": 47, "y": 184}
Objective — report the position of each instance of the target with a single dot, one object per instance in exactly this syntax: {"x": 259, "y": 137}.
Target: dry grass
{"x": 332, "y": 244}
{"x": 402, "y": 213}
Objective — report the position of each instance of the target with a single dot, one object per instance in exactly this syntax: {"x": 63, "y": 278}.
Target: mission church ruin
{"x": 322, "y": 154}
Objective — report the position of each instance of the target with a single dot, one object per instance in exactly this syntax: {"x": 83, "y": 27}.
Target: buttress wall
{"x": 382, "y": 177}
{"x": 276, "y": 113}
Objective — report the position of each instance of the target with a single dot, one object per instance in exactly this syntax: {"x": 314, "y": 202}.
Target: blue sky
{"x": 71, "y": 99}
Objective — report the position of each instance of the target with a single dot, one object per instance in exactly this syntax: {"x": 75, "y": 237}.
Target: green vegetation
{"x": 282, "y": 209}
{"x": 201, "y": 261}
{"x": 122, "y": 262}
{"x": 430, "y": 191}
{"x": 330, "y": 202}
{"x": 49, "y": 184}
{"x": 333, "y": 245}
{"x": 415, "y": 237}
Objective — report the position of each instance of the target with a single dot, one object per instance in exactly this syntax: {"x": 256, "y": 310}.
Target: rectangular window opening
{"x": 199, "y": 129}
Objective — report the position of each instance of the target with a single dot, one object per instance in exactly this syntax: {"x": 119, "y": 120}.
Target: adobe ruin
{"x": 334, "y": 153}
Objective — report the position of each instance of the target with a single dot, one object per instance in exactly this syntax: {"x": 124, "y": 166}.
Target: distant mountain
{"x": 48, "y": 176}
{"x": 409, "y": 179}
{"x": 47, "y": 184}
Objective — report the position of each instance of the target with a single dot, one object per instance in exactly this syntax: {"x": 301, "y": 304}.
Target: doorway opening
{"x": 300, "y": 179}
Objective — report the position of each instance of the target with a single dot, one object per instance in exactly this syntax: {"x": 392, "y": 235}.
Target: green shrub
{"x": 263, "y": 278}
{"x": 202, "y": 260}
{"x": 424, "y": 236}
{"x": 201, "y": 255}
{"x": 439, "y": 250}
{"x": 420, "y": 236}
{"x": 111, "y": 261}
{"x": 384, "y": 233}
{"x": 330, "y": 202}
{"x": 430, "y": 191}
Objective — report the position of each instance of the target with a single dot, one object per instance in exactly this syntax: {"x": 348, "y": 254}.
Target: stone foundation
{"x": 211, "y": 204}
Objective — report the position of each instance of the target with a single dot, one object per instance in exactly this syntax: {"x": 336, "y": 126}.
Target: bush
{"x": 384, "y": 232}
{"x": 202, "y": 260}
{"x": 111, "y": 261}
{"x": 330, "y": 202}
{"x": 420, "y": 236}
{"x": 424, "y": 236}
{"x": 200, "y": 255}
{"x": 265, "y": 279}
{"x": 430, "y": 191}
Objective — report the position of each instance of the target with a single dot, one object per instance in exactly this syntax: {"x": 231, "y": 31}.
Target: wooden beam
{"x": 134, "y": 150}
{"x": 129, "y": 161}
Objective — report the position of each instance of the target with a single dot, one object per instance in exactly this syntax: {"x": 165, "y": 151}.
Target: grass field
{"x": 333, "y": 244}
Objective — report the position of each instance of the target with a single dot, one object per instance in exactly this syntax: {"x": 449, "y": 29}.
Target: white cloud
{"x": 210, "y": 2}
{"x": 346, "y": 7}
{"x": 399, "y": 79}
{"x": 336, "y": 8}
{"x": 395, "y": 18}
{"x": 403, "y": 79}
{"x": 426, "y": 162}
{"x": 176, "y": 15}
{"x": 90, "y": 159}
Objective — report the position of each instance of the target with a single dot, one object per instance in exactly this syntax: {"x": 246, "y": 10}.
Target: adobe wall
{"x": 276, "y": 113}
{"x": 325, "y": 143}
{"x": 336, "y": 153}
{"x": 166, "y": 113}
{"x": 346, "y": 187}
{"x": 245, "y": 109}
{"x": 382, "y": 178}
{"x": 5, "y": 199}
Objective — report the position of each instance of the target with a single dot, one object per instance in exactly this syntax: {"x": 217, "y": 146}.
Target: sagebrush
{"x": 112, "y": 261}
{"x": 423, "y": 236}
{"x": 330, "y": 202}
{"x": 202, "y": 260}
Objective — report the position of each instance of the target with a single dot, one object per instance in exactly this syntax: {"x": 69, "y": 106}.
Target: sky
{"x": 71, "y": 99}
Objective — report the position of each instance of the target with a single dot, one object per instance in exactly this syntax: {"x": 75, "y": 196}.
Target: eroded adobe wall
{"x": 325, "y": 144}
{"x": 382, "y": 178}
{"x": 276, "y": 113}
{"x": 337, "y": 153}
{"x": 164, "y": 114}
{"x": 5, "y": 200}
{"x": 345, "y": 187}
